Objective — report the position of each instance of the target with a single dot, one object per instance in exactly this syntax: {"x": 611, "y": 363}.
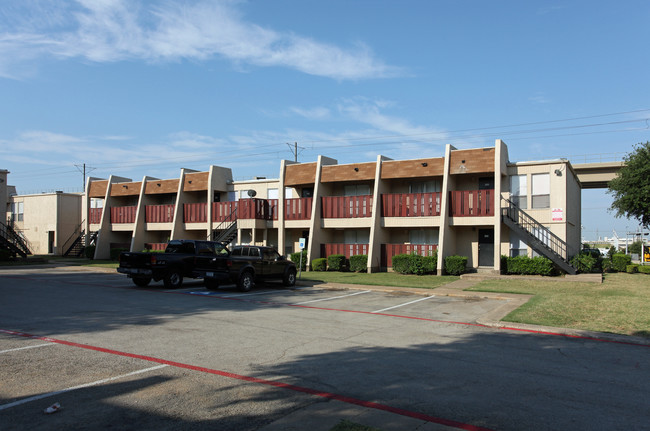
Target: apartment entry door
{"x": 486, "y": 247}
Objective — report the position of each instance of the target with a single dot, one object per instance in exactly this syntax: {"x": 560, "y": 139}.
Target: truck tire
{"x": 173, "y": 279}
{"x": 211, "y": 283}
{"x": 141, "y": 281}
{"x": 246, "y": 281}
{"x": 290, "y": 277}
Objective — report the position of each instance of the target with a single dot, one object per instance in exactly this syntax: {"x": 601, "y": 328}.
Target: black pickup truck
{"x": 251, "y": 263}
{"x": 182, "y": 258}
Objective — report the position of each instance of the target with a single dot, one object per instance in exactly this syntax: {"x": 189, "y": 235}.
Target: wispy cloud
{"x": 117, "y": 30}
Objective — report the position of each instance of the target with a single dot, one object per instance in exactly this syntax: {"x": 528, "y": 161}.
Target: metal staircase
{"x": 226, "y": 232}
{"x": 14, "y": 242}
{"x": 537, "y": 236}
{"x": 76, "y": 243}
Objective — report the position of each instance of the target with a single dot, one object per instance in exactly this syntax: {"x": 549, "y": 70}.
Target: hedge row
{"x": 338, "y": 262}
{"x": 524, "y": 265}
{"x": 415, "y": 264}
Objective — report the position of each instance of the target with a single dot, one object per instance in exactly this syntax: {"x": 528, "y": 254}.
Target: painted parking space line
{"x": 402, "y": 305}
{"x": 27, "y": 347}
{"x": 332, "y": 297}
{"x": 273, "y": 383}
{"x": 85, "y": 385}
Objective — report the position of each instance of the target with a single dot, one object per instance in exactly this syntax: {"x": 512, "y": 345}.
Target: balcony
{"x": 155, "y": 246}
{"x": 95, "y": 216}
{"x": 159, "y": 213}
{"x": 298, "y": 209}
{"x": 345, "y": 249}
{"x": 222, "y": 211}
{"x": 390, "y": 250}
{"x": 258, "y": 209}
{"x": 471, "y": 203}
{"x": 123, "y": 214}
{"x": 410, "y": 204}
{"x": 347, "y": 206}
{"x": 195, "y": 213}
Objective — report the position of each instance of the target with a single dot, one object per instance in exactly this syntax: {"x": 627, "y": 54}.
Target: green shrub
{"x": 319, "y": 264}
{"x": 359, "y": 263}
{"x": 607, "y": 265}
{"x": 644, "y": 269}
{"x": 584, "y": 262}
{"x": 115, "y": 252}
{"x": 336, "y": 262}
{"x": 524, "y": 265}
{"x": 621, "y": 261}
{"x": 89, "y": 251}
{"x": 295, "y": 258}
{"x": 415, "y": 264}
{"x": 5, "y": 255}
{"x": 455, "y": 265}
{"x": 401, "y": 263}
{"x": 631, "y": 269}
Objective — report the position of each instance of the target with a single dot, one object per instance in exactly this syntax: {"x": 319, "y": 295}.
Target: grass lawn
{"x": 620, "y": 305}
{"x": 379, "y": 279}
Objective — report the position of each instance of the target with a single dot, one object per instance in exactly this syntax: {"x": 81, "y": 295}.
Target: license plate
{"x": 209, "y": 274}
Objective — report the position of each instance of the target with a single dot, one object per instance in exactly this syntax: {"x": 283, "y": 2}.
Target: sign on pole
{"x": 301, "y": 244}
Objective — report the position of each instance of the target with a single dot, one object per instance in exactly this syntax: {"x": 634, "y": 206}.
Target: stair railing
{"x": 18, "y": 241}
{"x": 72, "y": 239}
{"x": 534, "y": 228}
{"x": 224, "y": 228}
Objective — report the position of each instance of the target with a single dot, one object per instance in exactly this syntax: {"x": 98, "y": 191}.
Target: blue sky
{"x": 136, "y": 88}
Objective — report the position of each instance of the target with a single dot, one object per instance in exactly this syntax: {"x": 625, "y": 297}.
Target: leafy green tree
{"x": 635, "y": 247}
{"x": 631, "y": 188}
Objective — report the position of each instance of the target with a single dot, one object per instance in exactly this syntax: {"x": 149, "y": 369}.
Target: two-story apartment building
{"x": 470, "y": 202}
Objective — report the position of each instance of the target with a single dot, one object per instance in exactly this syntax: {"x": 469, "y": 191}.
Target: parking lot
{"x": 274, "y": 358}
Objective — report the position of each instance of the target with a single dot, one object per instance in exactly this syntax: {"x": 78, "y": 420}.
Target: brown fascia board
{"x": 126, "y": 189}
{"x": 416, "y": 168}
{"x": 472, "y": 161}
{"x": 154, "y": 187}
{"x": 351, "y": 172}
{"x": 97, "y": 189}
{"x": 196, "y": 181}
{"x": 300, "y": 174}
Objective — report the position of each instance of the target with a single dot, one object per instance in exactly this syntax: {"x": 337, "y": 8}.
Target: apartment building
{"x": 470, "y": 202}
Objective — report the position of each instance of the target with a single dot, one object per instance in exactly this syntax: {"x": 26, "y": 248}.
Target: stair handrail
{"x": 556, "y": 244}
{"x": 73, "y": 237}
{"x": 19, "y": 241}
{"x": 229, "y": 221}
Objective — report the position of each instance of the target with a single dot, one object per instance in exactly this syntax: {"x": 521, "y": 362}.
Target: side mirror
{"x": 281, "y": 258}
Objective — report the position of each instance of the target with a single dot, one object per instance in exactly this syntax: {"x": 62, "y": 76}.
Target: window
{"x": 423, "y": 236}
{"x": 541, "y": 191}
{"x": 357, "y": 190}
{"x": 519, "y": 190}
{"x": 17, "y": 211}
{"x": 356, "y": 236}
{"x": 254, "y": 252}
{"x": 271, "y": 193}
{"x": 96, "y": 203}
{"x": 425, "y": 187}
{"x": 517, "y": 246}
{"x": 288, "y": 193}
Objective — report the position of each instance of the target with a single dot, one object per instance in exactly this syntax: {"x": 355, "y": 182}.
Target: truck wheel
{"x": 290, "y": 277}
{"x": 211, "y": 283}
{"x": 173, "y": 279}
{"x": 246, "y": 282}
{"x": 141, "y": 281}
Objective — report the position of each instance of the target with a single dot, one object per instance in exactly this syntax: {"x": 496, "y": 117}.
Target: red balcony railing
{"x": 471, "y": 203}
{"x": 410, "y": 204}
{"x": 390, "y": 250}
{"x": 347, "y": 206}
{"x": 254, "y": 209}
{"x": 195, "y": 213}
{"x": 123, "y": 214}
{"x": 345, "y": 249}
{"x": 95, "y": 216}
{"x": 273, "y": 208}
{"x": 159, "y": 213}
{"x": 223, "y": 210}
{"x": 298, "y": 209}
{"x": 157, "y": 246}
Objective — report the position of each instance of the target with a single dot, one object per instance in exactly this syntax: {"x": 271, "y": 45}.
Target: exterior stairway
{"x": 76, "y": 244}
{"x": 13, "y": 242}
{"x": 537, "y": 236}
{"x": 226, "y": 232}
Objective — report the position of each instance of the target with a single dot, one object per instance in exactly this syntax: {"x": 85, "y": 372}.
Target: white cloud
{"x": 316, "y": 113}
{"x": 116, "y": 30}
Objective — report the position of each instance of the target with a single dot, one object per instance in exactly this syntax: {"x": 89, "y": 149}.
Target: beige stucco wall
{"x": 52, "y": 212}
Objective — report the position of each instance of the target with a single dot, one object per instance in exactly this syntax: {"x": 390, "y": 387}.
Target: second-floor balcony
{"x": 298, "y": 208}
{"x": 95, "y": 216}
{"x": 471, "y": 203}
{"x": 410, "y": 204}
{"x": 159, "y": 213}
{"x": 123, "y": 214}
{"x": 195, "y": 213}
{"x": 347, "y": 206}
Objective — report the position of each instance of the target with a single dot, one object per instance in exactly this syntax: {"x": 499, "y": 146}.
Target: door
{"x": 486, "y": 247}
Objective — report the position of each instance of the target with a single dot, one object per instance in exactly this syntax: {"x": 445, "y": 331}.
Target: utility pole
{"x": 83, "y": 172}
{"x": 294, "y": 150}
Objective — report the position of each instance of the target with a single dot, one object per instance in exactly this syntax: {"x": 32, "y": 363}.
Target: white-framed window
{"x": 541, "y": 191}
{"x": 517, "y": 246}
{"x": 356, "y": 190}
{"x": 431, "y": 186}
{"x": 96, "y": 203}
{"x": 272, "y": 193}
{"x": 519, "y": 191}
{"x": 17, "y": 211}
{"x": 288, "y": 192}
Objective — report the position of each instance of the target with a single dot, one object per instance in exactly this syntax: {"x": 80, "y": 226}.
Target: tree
{"x": 631, "y": 188}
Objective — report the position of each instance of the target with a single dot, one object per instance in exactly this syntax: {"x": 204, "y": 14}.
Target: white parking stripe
{"x": 27, "y": 347}
{"x": 401, "y": 305}
{"x": 86, "y": 385}
{"x": 333, "y": 297}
